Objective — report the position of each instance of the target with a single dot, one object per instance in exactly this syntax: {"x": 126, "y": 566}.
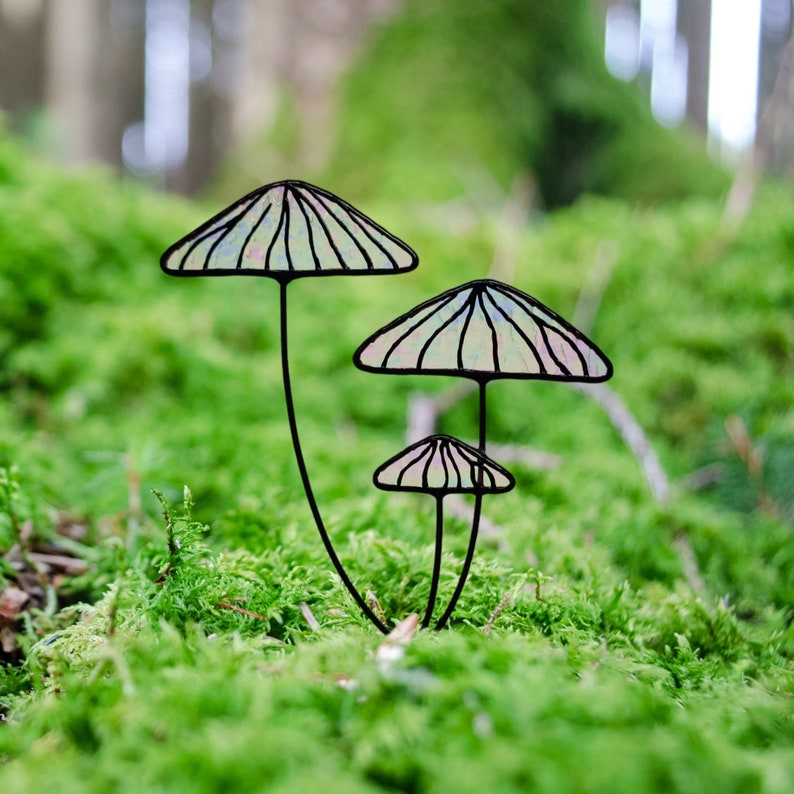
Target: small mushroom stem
{"x": 482, "y": 384}
{"x": 431, "y": 601}
{"x": 475, "y": 523}
{"x": 304, "y": 474}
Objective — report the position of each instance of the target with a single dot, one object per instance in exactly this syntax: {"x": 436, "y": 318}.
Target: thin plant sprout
{"x": 441, "y": 465}
{"x": 483, "y": 330}
{"x": 285, "y": 231}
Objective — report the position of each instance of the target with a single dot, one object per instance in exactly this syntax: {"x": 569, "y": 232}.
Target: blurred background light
{"x": 733, "y": 87}
{"x": 161, "y": 141}
{"x": 622, "y": 41}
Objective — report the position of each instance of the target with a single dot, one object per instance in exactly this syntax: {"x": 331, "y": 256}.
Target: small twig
{"x": 689, "y": 563}
{"x": 703, "y": 477}
{"x": 134, "y": 508}
{"x": 424, "y": 409}
{"x": 752, "y": 457}
{"x": 526, "y": 456}
{"x": 247, "y": 612}
{"x": 742, "y": 192}
{"x": 632, "y": 433}
{"x": 486, "y": 629}
{"x": 458, "y": 507}
{"x": 511, "y": 223}
{"x": 308, "y": 615}
{"x": 72, "y": 565}
{"x": 606, "y": 257}
{"x": 423, "y": 413}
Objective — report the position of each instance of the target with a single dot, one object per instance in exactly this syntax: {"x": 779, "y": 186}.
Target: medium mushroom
{"x": 484, "y": 331}
{"x": 440, "y": 465}
{"x": 285, "y": 231}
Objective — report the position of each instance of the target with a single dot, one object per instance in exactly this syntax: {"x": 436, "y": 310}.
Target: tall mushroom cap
{"x": 440, "y": 465}
{"x": 484, "y": 330}
{"x": 285, "y": 230}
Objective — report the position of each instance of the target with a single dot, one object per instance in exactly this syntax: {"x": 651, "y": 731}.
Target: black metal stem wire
{"x": 304, "y": 473}
{"x": 475, "y": 523}
{"x": 431, "y": 601}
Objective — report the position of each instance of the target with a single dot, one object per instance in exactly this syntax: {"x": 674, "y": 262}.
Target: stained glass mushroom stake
{"x": 285, "y": 231}
{"x": 485, "y": 331}
{"x": 441, "y": 465}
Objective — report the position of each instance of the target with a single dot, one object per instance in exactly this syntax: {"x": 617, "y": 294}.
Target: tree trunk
{"x": 694, "y": 24}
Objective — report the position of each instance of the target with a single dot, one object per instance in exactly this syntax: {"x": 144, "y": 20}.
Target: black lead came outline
{"x": 544, "y": 320}
{"x": 250, "y": 235}
{"x": 391, "y": 475}
{"x": 343, "y": 227}
{"x": 328, "y": 236}
{"x": 174, "y": 259}
{"x": 508, "y": 310}
{"x": 323, "y": 213}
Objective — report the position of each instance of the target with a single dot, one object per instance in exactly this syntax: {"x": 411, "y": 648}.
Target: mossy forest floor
{"x": 607, "y": 641}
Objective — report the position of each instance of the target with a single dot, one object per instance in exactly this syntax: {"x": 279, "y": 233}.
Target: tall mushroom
{"x": 484, "y": 331}
{"x": 285, "y": 231}
{"x": 440, "y": 465}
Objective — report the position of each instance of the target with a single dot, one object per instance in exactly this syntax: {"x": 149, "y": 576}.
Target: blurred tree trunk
{"x": 21, "y": 58}
{"x": 694, "y": 24}
{"x": 301, "y": 47}
{"x": 775, "y": 138}
{"x": 94, "y": 75}
{"x": 71, "y": 95}
{"x": 774, "y": 143}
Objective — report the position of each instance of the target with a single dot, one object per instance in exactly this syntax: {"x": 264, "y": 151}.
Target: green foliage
{"x": 500, "y": 87}
{"x": 584, "y": 655}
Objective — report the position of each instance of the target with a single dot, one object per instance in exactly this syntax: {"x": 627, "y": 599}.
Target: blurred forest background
{"x": 173, "y": 90}
{"x": 628, "y": 624}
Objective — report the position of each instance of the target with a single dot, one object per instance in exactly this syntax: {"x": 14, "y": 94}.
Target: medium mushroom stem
{"x": 475, "y": 523}
{"x": 431, "y": 601}
{"x": 304, "y": 473}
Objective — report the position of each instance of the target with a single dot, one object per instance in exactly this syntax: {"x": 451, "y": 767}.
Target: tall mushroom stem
{"x": 293, "y": 426}
{"x": 431, "y": 601}
{"x": 475, "y": 522}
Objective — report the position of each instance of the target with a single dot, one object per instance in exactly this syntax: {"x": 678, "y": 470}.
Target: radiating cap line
{"x": 484, "y": 330}
{"x": 286, "y": 230}
{"x": 441, "y": 464}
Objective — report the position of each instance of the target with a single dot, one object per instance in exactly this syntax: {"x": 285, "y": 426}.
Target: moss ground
{"x": 640, "y": 647}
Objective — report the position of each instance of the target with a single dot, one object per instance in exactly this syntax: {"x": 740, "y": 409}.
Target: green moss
{"x": 190, "y": 664}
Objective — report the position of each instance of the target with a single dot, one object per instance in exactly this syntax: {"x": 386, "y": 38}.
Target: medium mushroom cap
{"x": 484, "y": 330}
{"x": 286, "y": 230}
{"x": 440, "y": 465}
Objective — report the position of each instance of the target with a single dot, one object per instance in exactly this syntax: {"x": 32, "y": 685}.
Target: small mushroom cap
{"x": 285, "y": 230}
{"x": 484, "y": 330}
{"x": 440, "y": 465}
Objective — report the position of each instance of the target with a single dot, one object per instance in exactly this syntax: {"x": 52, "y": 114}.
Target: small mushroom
{"x": 440, "y": 465}
{"x": 285, "y": 231}
{"x": 484, "y": 331}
